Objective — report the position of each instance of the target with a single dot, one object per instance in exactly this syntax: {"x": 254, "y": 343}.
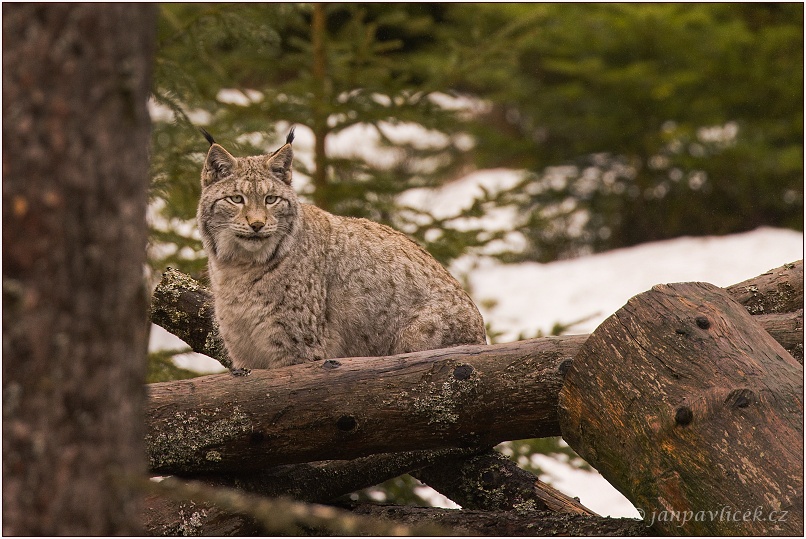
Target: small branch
{"x": 285, "y": 516}
{"x": 185, "y": 308}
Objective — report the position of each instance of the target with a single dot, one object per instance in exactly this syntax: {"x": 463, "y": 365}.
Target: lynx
{"x": 293, "y": 283}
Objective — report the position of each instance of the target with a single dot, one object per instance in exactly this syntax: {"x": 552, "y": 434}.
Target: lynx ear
{"x": 280, "y": 163}
{"x": 218, "y": 165}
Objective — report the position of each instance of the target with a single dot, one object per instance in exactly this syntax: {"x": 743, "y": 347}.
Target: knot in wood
{"x": 462, "y": 372}
{"x": 562, "y": 369}
{"x": 683, "y": 416}
{"x": 490, "y": 477}
{"x": 702, "y": 322}
{"x": 346, "y": 423}
{"x": 740, "y": 398}
{"x": 331, "y": 364}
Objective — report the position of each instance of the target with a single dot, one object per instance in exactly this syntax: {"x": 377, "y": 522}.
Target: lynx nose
{"x": 257, "y": 225}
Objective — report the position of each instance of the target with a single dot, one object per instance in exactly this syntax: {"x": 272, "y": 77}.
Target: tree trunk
{"x": 695, "y": 414}
{"x": 76, "y": 79}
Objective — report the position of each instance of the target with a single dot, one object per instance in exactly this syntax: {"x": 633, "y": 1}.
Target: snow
{"x": 530, "y": 297}
{"x": 526, "y": 297}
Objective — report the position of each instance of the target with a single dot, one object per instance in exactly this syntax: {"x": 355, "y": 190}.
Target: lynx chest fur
{"x": 293, "y": 283}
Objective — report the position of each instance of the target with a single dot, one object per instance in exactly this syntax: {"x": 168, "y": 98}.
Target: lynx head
{"x": 248, "y": 210}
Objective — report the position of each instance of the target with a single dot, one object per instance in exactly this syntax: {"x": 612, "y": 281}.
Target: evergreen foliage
{"x": 631, "y": 122}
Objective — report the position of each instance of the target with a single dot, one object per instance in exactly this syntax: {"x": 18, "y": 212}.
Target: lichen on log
{"x": 184, "y": 307}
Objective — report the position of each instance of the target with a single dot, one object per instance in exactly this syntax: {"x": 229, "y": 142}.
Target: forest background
{"x": 626, "y": 123}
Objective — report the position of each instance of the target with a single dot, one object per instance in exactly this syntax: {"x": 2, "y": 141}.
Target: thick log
{"x": 786, "y": 329}
{"x": 694, "y": 413}
{"x": 467, "y": 396}
{"x": 204, "y": 519}
{"x": 502, "y": 485}
{"x": 491, "y": 483}
{"x": 324, "y": 481}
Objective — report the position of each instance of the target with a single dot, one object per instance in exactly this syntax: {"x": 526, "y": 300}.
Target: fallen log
{"x": 277, "y": 516}
{"x": 695, "y": 414}
{"x": 786, "y": 329}
{"x": 523, "y": 522}
{"x": 466, "y": 396}
{"x": 205, "y": 519}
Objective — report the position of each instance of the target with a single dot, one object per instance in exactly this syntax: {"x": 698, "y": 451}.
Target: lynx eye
{"x": 236, "y": 199}
{"x": 271, "y": 200}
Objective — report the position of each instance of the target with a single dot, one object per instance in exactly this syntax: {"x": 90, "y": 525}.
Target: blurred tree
{"x": 75, "y": 151}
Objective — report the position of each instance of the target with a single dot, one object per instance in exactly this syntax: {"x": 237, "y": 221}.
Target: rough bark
{"x": 75, "y": 177}
{"x": 707, "y": 408}
{"x": 325, "y": 481}
{"x": 467, "y": 396}
{"x": 207, "y": 520}
{"x": 270, "y": 516}
{"x": 779, "y": 290}
{"x": 185, "y": 308}
{"x": 786, "y": 329}
{"x": 523, "y": 522}
{"x": 489, "y": 482}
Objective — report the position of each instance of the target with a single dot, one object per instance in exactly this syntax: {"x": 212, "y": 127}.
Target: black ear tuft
{"x": 207, "y": 135}
{"x": 290, "y": 138}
